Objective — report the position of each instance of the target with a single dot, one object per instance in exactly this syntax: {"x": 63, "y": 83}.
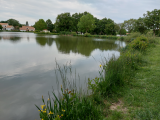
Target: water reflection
{"x": 44, "y": 40}
{"x": 27, "y": 68}
{"x": 83, "y": 45}
{"x": 13, "y": 39}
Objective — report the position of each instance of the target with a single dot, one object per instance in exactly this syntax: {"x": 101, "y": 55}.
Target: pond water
{"x": 27, "y": 67}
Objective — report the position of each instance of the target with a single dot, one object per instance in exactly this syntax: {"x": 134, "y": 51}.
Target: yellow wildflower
{"x": 51, "y": 112}
{"x": 48, "y": 99}
{"x": 44, "y": 111}
{"x": 63, "y": 110}
{"x": 61, "y": 86}
{"x": 61, "y": 114}
{"x": 42, "y": 106}
{"x": 100, "y": 65}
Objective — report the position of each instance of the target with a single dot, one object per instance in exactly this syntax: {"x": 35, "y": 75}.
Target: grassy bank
{"x": 143, "y": 95}
{"x": 115, "y": 93}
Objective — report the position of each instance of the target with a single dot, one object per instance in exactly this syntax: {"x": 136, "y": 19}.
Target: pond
{"x": 27, "y": 67}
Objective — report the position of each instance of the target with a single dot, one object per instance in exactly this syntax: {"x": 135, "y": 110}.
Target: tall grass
{"x": 114, "y": 75}
{"x": 72, "y": 104}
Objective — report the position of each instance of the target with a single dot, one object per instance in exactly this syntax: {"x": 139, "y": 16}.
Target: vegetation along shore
{"x": 127, "y": 87}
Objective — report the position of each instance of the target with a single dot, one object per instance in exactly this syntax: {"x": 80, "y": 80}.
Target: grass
{"x": 142, "y": 99}
{"x": 129, "y": 84}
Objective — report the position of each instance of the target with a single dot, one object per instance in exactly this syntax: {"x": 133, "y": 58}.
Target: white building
{"x": 6, "y": 26}
{"x": 45, "y": 30}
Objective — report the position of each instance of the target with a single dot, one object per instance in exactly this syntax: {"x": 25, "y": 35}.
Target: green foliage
{"x": 64, "y": 22}
{"x": 140, "y": 26}
{"x": 70, "y": 106}
{"x": 87, "y": 35}
{"x": 122, "y": 32}
{"x": 50, "y": 26}
{"x": 132, "y": 36}
{"x": 140, "y": 43}
{"x": 13, "y": 22}
{"x": 110, "y": 27}
{"x": 87, "y": 23}
{"x": 76, "y": 18}
{"x": 74, "y": 33}
{"x": 40, "y": 25}
{"x": 129, "y": 25}
{"x": 65, "y": 33}
{"x": 152, "y": 20}
{"x": 1, "y": 27}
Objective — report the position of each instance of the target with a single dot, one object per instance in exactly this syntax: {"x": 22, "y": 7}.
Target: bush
{"x": 132, "y": 36}
{"x": 140, "y": 43}
{"x": 74, "y": 33}
{"x": 121, "y": 38}
{"x": 87, "y": 35}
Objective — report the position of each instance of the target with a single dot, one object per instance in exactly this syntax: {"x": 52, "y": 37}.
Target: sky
{"x": 33, "y": 10}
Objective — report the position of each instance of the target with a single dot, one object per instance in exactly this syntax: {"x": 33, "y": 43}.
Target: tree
{"x": 27, "y": 23}
{"x": 129, "y": 25}
{"x": 152, "y": 19}
{"x": 1, "y": 27}
{"x": 76, "y": 18}
{"x": 49, "y": 25}
{"x": 96, "y": 30}
{"x": 87, "y": 23}
{"x": 110, "y": 27}
{"x": 64, "y": 22}
{"x": 40, "y": 25}
{"x": 3, "y": 21}
{"x": 13, "y": 22}
{"x": 101, "y": 25}
{"x": 119, "y": 27}
{"x": 122, "y": 31}
{"x": 140, "y": 26}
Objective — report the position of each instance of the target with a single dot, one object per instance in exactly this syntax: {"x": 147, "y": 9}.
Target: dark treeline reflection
{"x": 13, "y": 39}
{"x": 82, "y": 45}
{"x": 44, "y": 40}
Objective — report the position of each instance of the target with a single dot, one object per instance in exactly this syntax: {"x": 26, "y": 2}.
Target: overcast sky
{"x": 33, "y": 10}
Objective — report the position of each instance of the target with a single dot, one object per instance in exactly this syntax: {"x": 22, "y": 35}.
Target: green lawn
{"x": 141, "y": 100}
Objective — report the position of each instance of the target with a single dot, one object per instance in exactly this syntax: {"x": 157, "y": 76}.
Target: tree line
{"x": 86, "y": 22}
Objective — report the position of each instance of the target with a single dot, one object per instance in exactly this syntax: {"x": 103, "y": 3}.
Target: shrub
{"x": 121, "y": 38}
{"x": 140, "y": 43}
{"x": 132, "y": 36}
{"x": 87, "y": 35}
{"x": 74, "y": 33}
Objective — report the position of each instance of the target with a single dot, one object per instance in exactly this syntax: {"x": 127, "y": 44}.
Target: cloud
{"x": 117, "y": 10}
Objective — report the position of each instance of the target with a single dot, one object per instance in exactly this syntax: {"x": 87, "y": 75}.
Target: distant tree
{"x": 64, "y": 22}
{"x": 96, "y": 30}
{"x": 140, "y": 26}
{"x": 101, "y": 25}
{"x": 129, "y": 25}
{"x": 110, "y": 27}
{"x": 122, "y": 31}
{"x": 13, "y": 22}
{"x": 27, "y": 23}
{"x": 152, "y": 19}
{"x": 20, "y": 25}
{"x": 1, "y": 27}
{"x": 40, "y": 25}
{"x": 3, "y": 21}
{"x": 87, "y": 23}
{"x": 76, "y": 18}
{"x": 50, "y": 26}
